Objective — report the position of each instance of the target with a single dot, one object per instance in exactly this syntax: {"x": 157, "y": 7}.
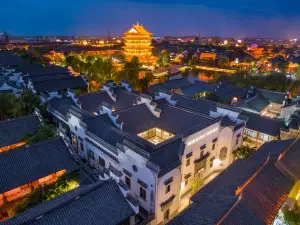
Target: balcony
{"x": 201, "y": 162}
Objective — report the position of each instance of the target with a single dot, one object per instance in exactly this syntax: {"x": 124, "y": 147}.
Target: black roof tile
{"x": 11, "y": 131}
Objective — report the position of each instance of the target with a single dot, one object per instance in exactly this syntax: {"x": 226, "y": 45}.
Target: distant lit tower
{"x": 138, "y": 43}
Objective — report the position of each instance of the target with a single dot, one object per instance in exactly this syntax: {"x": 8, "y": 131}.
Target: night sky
{"x": 227, "y": 18}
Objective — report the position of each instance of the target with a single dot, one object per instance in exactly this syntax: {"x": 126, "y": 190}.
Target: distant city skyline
{"x": 237, "y": 18}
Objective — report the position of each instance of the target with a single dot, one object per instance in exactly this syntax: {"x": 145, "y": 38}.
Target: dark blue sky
{"x": 265, "y": 18}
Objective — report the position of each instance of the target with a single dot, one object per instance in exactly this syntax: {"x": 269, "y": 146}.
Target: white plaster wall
{"x": 162, "y": 196}
{"x": 127, "y": 160}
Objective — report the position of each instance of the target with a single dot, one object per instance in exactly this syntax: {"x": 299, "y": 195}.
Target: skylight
{"x": 155, "y": 135}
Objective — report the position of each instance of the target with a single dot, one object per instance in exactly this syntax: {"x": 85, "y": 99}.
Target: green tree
{"x": 243, "y": 152}
{"x": 212, "y": 96}
{"x": 224, "y": 62}
{"x": 291, "y": 217}
{"x": 130, "y": 73}
{"x": 43, "y": 133}
{"x": 47, "y": 192}
{"x": 146, "y": 81}
{"x": 26, "y": 103}
{"x": 163, "y": 59}
{"x": 7, "y": 104}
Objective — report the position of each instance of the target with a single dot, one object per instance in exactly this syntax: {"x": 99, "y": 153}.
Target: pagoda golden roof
{"x": 137, "y": 29}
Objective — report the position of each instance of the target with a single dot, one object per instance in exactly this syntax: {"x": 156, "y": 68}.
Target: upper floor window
{"x": 212, "y": 161}
{"x": 128, "y": 181}
{"x": 101, "y": 161}
{"x": 188, "y": 162}
{"x": 167, "y": 215}
{"x": 168, "y": 188}
{"x": 91, "y": 154}
{"x": 213, "y": 146}
{"x": 143, "y": 193}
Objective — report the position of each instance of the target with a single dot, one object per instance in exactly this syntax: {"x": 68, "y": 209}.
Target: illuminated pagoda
{"x": 138, "y": 43}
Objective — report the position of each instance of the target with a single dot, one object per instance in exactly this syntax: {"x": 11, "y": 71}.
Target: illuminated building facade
{"x": 138, "y": 43}
{"x": 154, "y": 147}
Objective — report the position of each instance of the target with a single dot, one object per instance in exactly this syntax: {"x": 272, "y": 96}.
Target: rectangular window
{"x": 143, "y": 193}
{"x": 168, "y": 188}
{"x": 186, "y": 182}
{"x": 188, "y": 162}
{"x": 101, "y": 162}
{"x": 201, "y": 154}
{"x": 91, "y": 155}
{"x": 212, "y": 161}
{"x": 128, "y": 181}
{"x": 81, "y": 146}
{"x": 237, "y": 141}
{"x": 167, "y": 215}
{"x": 213, "y": 146}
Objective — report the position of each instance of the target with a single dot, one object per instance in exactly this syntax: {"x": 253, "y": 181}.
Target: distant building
{"x": 138, "y": 43}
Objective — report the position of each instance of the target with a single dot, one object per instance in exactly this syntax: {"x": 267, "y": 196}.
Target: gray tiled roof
{"x": 101, "y": 203}
{"x": 61, "y": 84}
{"x": 258, "y": 202}
{"x": 227, "y": 92}
{"x": 169, "y": 85}
{"x": 124, "y": 99}
{"x": 200, "y": 105}
{"x": 11, "y": 131}
{"x": 273, "y": 96}
{"x": 45, "y": 77}
{"x": 198, "y": 87}
{"x": 29, "y": 163}
{"x": 174, "y": 119}
{"x": 257, "y": 103}
{"x": 61, "y": 105}
{"x": 37, "y": 70}
{"x": 263, "y": 124}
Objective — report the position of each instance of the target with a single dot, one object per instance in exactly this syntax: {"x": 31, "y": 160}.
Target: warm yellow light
{"x": 217, "y": 163}
{"x": 84, "y": 42}
{"x": 298, "y": 196}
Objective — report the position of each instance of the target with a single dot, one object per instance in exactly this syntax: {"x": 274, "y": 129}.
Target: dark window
{"x": 81, "y": 146}
{"x": 168, "y": 188}
{"x": 237, "y": 141}
{"x": 212, "y": 162}
{"x": 134, "y": 168}
{"x": 143, "y": 193}
{"x": 101, "y": 162}
{"x": 128, "y": 181}
{"x": 188, "y": 162}
{"x": 186, "y": 182}
{"x": 213, "y": 146}
{"x": 201, "y": 154}
{"x": 167, "y": 214}
{"x": 91, "y": 155}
